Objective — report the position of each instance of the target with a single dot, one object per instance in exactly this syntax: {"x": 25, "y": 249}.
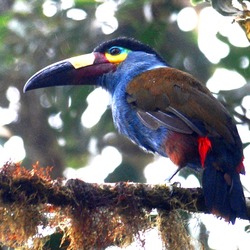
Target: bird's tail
{"x": 223, "y": 194}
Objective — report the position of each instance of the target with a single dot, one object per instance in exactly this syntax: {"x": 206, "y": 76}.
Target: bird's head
{"x": 89, "y": 69}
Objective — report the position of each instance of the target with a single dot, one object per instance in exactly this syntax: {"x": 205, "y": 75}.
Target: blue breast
{"x": 124, "y": 115}
{"x": 128, "y": 124}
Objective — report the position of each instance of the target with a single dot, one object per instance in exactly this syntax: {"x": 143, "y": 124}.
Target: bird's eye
{"x": 116, "y": 54}
{"x": 115, "y": 51}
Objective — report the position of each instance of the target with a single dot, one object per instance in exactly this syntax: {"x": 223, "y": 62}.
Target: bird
{"x": 165, "y": 111}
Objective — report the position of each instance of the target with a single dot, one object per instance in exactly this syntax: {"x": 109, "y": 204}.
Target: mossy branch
{"x": 88, "y": 215}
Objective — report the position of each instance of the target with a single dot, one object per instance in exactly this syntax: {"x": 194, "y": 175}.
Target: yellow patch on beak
{"x": 82, "y": 61}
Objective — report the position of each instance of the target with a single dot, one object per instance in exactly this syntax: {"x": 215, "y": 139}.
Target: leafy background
{"x": 71, "y": 128}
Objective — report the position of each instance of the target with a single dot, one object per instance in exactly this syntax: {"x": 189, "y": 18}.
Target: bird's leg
{"x": 173, "y": 175}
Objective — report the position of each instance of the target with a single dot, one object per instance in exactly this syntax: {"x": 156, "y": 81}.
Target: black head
{"x": 127, "y": 43}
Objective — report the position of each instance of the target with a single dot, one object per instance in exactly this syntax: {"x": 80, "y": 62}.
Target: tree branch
{"x": 117, "y": 211}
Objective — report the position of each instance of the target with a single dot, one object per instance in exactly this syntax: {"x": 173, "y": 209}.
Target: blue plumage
{"x": 124, "y": 115}
{"x": 165, "y": 111}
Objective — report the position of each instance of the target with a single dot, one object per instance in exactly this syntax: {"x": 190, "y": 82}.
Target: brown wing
{"x": 172, "y": 98}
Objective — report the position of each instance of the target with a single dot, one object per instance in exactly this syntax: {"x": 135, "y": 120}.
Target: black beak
{"x": 80, "y": 70}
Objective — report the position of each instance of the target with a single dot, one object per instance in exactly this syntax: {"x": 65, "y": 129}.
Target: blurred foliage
{"x": 30, "y": 40}
{"x": 241, "y": 13}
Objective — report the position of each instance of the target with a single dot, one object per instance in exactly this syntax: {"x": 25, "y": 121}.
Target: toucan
{"x": 165, "y": 111}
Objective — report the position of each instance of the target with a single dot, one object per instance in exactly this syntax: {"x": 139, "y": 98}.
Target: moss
{"x": 89, "y": 216}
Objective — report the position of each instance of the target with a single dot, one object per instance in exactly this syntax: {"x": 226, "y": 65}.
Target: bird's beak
{"x": 79, "y": 70}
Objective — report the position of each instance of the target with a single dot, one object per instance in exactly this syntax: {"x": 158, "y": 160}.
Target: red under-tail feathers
{"x": 222, "y": 188}
{"x": 221, "y": 184}
{"x": 204, "y": 146}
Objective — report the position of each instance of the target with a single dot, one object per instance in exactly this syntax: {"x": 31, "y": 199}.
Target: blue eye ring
{"x": 115, "y": 50}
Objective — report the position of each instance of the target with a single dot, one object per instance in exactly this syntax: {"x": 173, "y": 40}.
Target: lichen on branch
{"x": 86, "y": 215}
